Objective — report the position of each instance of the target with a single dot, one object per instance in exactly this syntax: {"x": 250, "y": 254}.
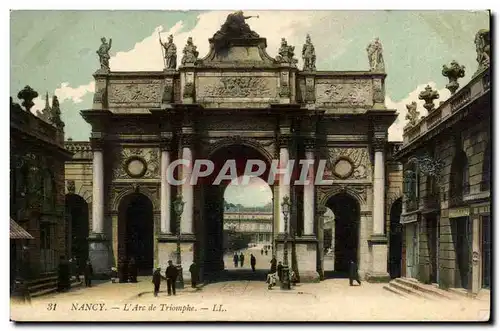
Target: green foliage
{"x": 234, "y": 241}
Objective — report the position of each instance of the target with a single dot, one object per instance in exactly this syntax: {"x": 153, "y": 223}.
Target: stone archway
{"x": 211, "y": 227}
{"x": 346, "y": 241}
{"x": 395, "y": 240}
{"x": 77, "y": 216}
{"x": 136, "y": 231}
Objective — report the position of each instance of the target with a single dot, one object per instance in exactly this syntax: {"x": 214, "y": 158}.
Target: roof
{"x": 17, "y": 232}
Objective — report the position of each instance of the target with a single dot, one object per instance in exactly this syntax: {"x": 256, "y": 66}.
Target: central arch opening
{"x": 237, "y": 217}
{"x": 344, "y": 232}
{"x": 135, "y": 227}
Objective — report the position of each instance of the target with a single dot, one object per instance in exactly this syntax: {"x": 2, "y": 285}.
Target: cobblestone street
{"x": 330, "y": 300}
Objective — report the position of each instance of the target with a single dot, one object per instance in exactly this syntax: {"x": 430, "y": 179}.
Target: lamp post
{"x": 285, "y": 207}
{"x": 179, "y": 208}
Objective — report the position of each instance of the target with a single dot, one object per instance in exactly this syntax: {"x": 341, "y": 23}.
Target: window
{"x": 485, "y": 182}
{"x": 459, "y": 178}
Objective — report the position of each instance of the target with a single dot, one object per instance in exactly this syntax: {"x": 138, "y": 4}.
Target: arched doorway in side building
{"x": 345, "y": 232}
{"x": 135, "y": 231}
{"x": 77, "y": 215}
{"x": 395, "y": 240}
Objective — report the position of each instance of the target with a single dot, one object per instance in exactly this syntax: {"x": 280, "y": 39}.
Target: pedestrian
{"x": 156, "y": 280}
{"x": 88, "y": 274}
{"x": 171, "y": 275}
{"x": 132, "y": 270}
{"x": 63, "y": 275}
{"x": 265, "y": 251}
{"x": 242, "y": 259}
{"x": 273, "y": 265}
{"x": 193, "y": 269}
{"x": 353, "y": 273}
{"x": 262, "y": 251}
{"x": 253, "y": 261}
{"x": 235, "y": 259}
{"x": 280, "y": 271}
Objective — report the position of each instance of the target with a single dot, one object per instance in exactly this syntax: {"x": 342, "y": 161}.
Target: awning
{"x": 17, "y": 232}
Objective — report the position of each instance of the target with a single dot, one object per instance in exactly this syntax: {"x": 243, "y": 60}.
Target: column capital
{"x": 379, "y": 144}
{"x": 284, "y": 141}
{"x": 187, "y": 140}
{"x": 97, "y": 144}
{"x": 310, "y": 144}
{"x": 166, "y": 145}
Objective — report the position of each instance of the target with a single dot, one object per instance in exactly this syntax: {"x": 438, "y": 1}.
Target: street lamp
{"x": 179, "y": 208}
{"x": 285, "y": 208}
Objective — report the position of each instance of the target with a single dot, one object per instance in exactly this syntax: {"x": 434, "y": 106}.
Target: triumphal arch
{"x": 237, "y": 103}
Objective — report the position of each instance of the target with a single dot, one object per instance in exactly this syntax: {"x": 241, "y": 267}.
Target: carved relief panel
{"x": 136, "y": 163}
{"x": 344, "y": 93}
{"x": 236, "y": 85}
{"x": 348, "y": 163}
{"x": 135, "y": 92}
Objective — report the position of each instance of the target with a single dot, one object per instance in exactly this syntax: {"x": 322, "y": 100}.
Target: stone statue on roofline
{"x": 286, "y": 53}
{"x": 412, "y": 115}
{"x": 482, "y": 41}
{"x": 170, "y": 53}
{"x": 103, "y": 53}
{"x": 309, "y": 55}
{"x": 235, "y": 27}
{"x": 375, "y": 57}
{"x": 190, "y": 53}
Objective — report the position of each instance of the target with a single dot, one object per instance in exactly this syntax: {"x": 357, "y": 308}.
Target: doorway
{"x": 462, "y": 240}
{"x": 346, "y": 231}
{"x": 486, "y": 252}
{"x": 135, "y": 227}
{"x": 395, "y": 240}
{"x": 432, "y": 245}
{"x": 77, "y": 213}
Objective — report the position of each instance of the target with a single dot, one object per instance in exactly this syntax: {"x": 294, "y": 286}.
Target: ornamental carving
{"x": 137, "y": 163}
{"x": 119, "y": 191}
{"x": 353, "y": 163}
{"x": 353, "y": 94}
{"x": 168, "y": 93}
{"x": 325, "y": 193}
{"x": 134, "y": 93}
{"x": 188, "y": 90}
{"x": 70, "y": 185}
{"x": 238, "y": 87}
{"x": 310, "y": 93}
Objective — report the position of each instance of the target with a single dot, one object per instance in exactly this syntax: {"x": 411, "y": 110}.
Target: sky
{"x": 55, "y": 51}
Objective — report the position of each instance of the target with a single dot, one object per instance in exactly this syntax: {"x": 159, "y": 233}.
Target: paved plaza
{"x": 330, "y": 300}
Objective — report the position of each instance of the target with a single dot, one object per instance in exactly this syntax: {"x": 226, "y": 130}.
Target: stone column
{"x": 309, "y": 194}
{"x": 97, "y": 189}
{"x": 378, "y": 191}
{"x": 378, "y": 240}
{"x": 187, "y": 188}
{"x": 165, "y": 189}
{"x": 284, "y": 185}
{"x": 98, "y": 244}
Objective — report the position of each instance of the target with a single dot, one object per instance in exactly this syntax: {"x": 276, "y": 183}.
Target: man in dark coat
{"x": 280, "y": 271}
{"x": 193, "y": 269}
{"x": 156, "y": 281}
{"x": 353, "y": 273}
{"x": 171, "y": 275}
{"x": 132, "y": 270}
{"x": 253, "y": 261}
{"x": 235, "y": 259}
{"x": 63, "y": 275}
{"x": 273, "y": 265}
{"x": 88, "y": 271}
{"x": 262, "y": 251}
{"x": 242, "y": 259}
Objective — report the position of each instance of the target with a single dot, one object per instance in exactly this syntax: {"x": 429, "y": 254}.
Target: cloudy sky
{"x": 55, "y": 51}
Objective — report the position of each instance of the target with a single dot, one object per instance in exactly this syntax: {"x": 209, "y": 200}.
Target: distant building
{"x": 37, "y": 155}
{"x": 446, "y": 159}
{"x": 259, "y": 225}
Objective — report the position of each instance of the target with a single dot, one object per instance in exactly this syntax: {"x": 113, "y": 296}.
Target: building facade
{"x": 37, "y": 158}
{"x": 235, "y": 103}
{"x": 446, "y": 157}
{"x": 257, "y": 225}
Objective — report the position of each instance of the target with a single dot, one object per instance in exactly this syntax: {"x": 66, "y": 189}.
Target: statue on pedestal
{"x": 190, "y": 52}
{"x": 286, "y": 53}
{"x": 235, "y": 27}
{"x": 482, "y": 42}
{"x": 375, "y": 57}
{"x": 412, "y": 115}
{"x": 170, "y": 53}
{"x": 103, "y": 53}
{"x": 309, "y": 55}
